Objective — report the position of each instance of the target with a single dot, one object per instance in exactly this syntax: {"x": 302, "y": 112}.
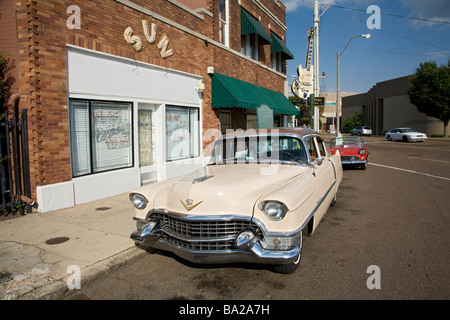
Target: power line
{"x": 396, "y": 15}
{"x": 385, "y": 51}
{"x": 395, "y": 33}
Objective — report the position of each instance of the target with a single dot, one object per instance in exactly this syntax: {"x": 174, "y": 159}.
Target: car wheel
{"x": 351, "y": 133}
{"x": 292, "y": 266}
{"x": 364, "y": 166}
{"x": 333, "y": 202}
{"x": 389, "y": 138}
{"x": 359, "y": 134}
{"x": 405, "y": 139}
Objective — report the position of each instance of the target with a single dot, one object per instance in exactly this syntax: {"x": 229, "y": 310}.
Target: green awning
{"x": 250, "y": 25}
{"x": 229, "y": 92}
{"x": 277, "y": 45}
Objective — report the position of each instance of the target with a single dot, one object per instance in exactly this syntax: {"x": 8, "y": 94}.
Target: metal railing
{"x": 15, "y": 189}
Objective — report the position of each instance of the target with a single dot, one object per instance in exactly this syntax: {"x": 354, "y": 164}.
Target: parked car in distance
{"x": 361, "y": 131}
{"x": 262, "y": 190}
{"x": 353, "y": 150}
{"x": 405, "y": 134}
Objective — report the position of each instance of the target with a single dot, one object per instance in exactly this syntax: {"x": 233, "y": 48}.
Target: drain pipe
{"x": 14, "y": 102}
{"x": 29, "y": 201}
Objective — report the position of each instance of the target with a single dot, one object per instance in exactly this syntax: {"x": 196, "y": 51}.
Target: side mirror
{"x": 319, "y": 161}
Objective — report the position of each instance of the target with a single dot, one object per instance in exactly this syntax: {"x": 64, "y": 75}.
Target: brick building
{"x": 125, "y": 92}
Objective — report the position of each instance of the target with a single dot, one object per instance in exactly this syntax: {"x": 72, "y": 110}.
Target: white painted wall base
{"x": 85, "y": 189}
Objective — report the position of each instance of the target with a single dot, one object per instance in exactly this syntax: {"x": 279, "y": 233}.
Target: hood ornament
{"x": 201, "y": 179}
{"x": 188, "y": 204}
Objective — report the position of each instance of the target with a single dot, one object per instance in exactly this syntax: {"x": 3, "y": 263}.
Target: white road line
{"x": 410, "y": 171}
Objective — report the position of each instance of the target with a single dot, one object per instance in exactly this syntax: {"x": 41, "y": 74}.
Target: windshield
{"x": 346, "y": 141}
{"x": 259, "y": 149}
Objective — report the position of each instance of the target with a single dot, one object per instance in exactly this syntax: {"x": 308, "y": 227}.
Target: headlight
{"x": 362, "y": 152}
{"x": 138, "y": 200}
{"x": 281, "y": 242}
{"x": 273, "y": 209}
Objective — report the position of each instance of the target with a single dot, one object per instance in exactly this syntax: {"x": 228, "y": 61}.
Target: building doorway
{"x": 147, "y": 153}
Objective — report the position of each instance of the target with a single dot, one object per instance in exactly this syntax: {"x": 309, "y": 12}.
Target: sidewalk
{"x": 37, "y": 249}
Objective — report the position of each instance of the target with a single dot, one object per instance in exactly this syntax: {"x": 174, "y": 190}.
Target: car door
{"x": 324, "y": 174}
{"x": 394, "y": 134}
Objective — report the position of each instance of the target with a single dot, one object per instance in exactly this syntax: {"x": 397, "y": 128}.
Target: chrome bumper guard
{"x": 353, "y": 162}
{"x": 248, "y": 248}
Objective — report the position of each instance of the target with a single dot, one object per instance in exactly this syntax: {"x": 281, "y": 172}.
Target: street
{"x": 387, "y": 237}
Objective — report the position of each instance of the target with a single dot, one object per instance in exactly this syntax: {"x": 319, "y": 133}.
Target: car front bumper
{"x": 244, "y": 246}
{"x": 415, "y": 139}
{"x": 352, "y": 160}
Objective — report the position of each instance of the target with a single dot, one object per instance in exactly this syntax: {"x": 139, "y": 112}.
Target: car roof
{"x": 272, "y": 131}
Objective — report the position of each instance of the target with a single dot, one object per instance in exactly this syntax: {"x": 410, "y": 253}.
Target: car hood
{"x": 219, "y": 189}
{"x": 347, "y": 149}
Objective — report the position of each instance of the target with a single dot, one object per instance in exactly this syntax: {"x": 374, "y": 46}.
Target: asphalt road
{"x": 387, "y": 237}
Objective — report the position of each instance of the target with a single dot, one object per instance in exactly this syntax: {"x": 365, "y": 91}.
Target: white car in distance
{"x": 405, "y": 134}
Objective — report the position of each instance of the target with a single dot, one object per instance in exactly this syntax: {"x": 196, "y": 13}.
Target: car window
{"x": 258, "y": 149}
{"x": 322, "y": 148}
{"x": 311, "y": 148}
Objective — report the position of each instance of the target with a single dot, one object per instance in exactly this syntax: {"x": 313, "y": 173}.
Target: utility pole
{"x": 316, "y": 66}
{"x": 316, "y": 60}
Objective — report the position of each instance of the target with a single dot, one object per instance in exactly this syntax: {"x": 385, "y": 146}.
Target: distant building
{"x": 386, "y": 105}
{"x": 328, "y": 116}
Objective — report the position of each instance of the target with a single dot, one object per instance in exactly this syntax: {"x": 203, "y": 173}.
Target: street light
{"x": 367, "y": 36}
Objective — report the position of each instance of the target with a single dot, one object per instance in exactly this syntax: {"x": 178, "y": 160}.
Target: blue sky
{"x": 395, "y": 50}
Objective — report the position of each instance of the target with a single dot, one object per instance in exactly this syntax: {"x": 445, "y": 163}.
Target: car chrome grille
{"x": 349, "y": 158}
{"x": 199, "y": 234}
{"x": 200, "y": 245}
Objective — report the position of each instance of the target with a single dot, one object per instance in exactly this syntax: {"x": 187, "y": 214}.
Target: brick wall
{"x": 42, "y": 38}
{"x": 8, "y": 37}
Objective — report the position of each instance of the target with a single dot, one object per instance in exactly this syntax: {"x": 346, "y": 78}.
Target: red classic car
{"x": 353, "y": 150}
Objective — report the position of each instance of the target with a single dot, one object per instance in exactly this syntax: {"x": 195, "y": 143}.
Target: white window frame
{"x": 226, "y": 29}
{"x": 175, "y": 138}
{"x": 275, "y": 61}
{"x": 250, "y": 45}
{"x": 112, "y": 137}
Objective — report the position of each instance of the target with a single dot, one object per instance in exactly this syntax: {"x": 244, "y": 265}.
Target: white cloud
{"x": 438, "y": 10}
{"x": 293, "y": 5}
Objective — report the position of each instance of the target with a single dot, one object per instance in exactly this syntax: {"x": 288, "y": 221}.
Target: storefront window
{"x": 101, "y": 136}
{"x": 182, "y": 133}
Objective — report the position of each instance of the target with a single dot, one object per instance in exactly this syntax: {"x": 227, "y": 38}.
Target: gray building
{"x": 386, "y": 105}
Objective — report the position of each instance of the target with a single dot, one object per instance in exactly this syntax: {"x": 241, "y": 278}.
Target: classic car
{"x": 261, "y": 191}
{"x": 405, "y": 134}
{"x": 361, "y": 131}
{"x": 353, "y": 150}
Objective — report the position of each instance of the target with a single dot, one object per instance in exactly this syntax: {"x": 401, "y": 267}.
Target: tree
{"x": 350, "y": 123}
{"x": 304, "y": 116}
{"x": 6, "y": 81}
{"x": 429, "y": 91}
